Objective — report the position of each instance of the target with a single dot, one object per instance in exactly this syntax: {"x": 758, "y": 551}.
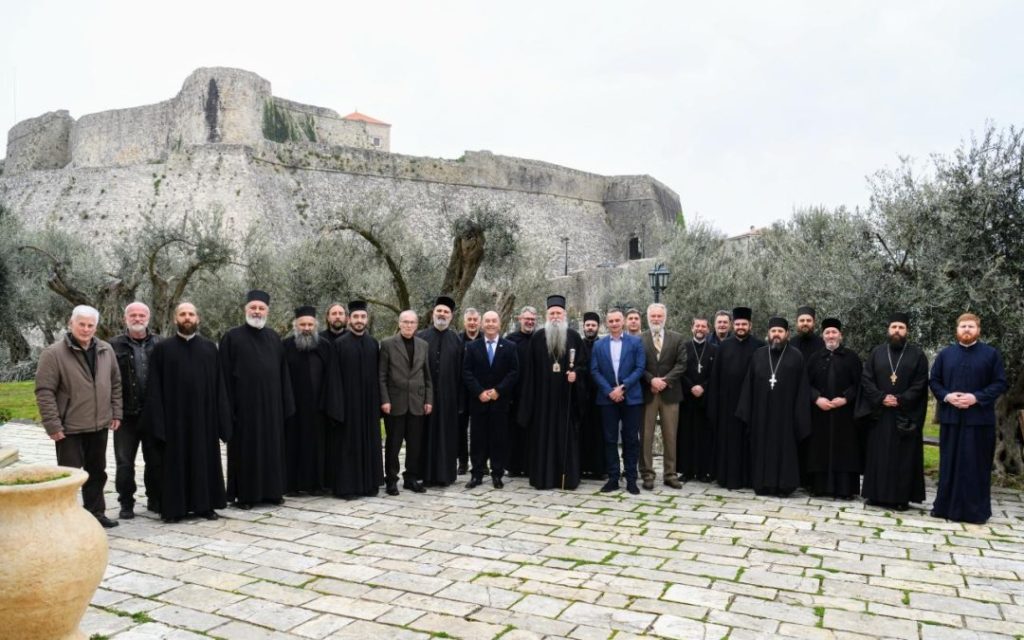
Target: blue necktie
{"x": 490, "y": 352}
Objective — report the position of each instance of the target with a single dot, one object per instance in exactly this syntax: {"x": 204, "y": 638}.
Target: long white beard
{"x": 556, "y": 334}
{"x": 256, "y": 323}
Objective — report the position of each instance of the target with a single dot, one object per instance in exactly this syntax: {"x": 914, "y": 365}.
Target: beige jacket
{"x": 70, "y": 398}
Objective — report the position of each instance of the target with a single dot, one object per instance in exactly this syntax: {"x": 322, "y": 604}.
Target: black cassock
{"x": 833, "y": 454}
{"x": 304, "y": 433}
{"x": 187, "y": 412}
{"x": 808, "y": 344}
{"x": 330, "y": 336}
{"x": 893, "y": 454}
{"x": 732, "y": 438}
{"x": 352, "y": 402}
{"x": 518, "y": 437}
{"x": 695, "y": 442}
{"x": 441, "y": 433}
{"x": 550, "y": 408}
{"x": 592, "y": 462}
{"x": 779, "y": 417}
{"x": 258, "y": 384}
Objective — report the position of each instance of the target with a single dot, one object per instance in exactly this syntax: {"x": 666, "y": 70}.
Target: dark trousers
{"x": 127, "y": 439}
{"x": 410, "y": 429}
{"x": 489, "y": 440}
{"x": 87, "y": 451}
{"x": 629, "y": 417}
{"x": 463, "y": 438}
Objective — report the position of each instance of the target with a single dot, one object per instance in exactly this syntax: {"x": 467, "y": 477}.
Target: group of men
{"x": 303, "y": 414}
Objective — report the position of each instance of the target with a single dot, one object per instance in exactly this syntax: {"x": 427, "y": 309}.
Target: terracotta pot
{"x": 54, "y": 554}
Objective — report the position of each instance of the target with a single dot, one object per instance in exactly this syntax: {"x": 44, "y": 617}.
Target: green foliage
{"x": 279, "y": 124}
{"x": 18, "y": 401}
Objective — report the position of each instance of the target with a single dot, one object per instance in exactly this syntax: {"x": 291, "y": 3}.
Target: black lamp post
{"x": 658, "y": 279}
{"x": 566, "y": 241}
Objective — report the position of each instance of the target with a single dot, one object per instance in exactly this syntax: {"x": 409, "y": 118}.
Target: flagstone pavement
{"x": 700, "y": 562}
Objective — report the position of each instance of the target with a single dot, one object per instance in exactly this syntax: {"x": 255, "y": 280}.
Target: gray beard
{"x": 557, "y": 335}
{"x": 441, "y": 324}
{"x": 256, "y": 323}
{"x": 306, "y": 342}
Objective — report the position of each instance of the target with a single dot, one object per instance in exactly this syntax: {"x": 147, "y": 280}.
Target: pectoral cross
{"x": 772, "y": 381}
{"x": 893, "y": 378}
{"x": 556, "y": 367}
{"x": 699, "y": 367}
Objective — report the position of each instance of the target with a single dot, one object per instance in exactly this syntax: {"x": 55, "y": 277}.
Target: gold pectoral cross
{"x": 556, "y": 367}
{"x": 893, "y": 378}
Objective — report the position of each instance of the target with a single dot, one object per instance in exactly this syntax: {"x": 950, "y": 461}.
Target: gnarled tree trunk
{"x": 1008, "y": 459}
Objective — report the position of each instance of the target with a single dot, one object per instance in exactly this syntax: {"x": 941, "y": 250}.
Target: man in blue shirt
{"x": 967, "y": 378}
{"x": 617, "y": 366}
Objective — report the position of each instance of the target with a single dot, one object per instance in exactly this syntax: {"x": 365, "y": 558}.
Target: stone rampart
{"x": 39, "y": 143}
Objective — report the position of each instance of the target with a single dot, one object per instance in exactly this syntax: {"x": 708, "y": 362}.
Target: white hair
{"x": 657, "y": 305}
{"x": 85, "y": 311}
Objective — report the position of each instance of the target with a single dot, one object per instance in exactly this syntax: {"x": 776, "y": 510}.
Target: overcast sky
{"x": 746, "y": 109}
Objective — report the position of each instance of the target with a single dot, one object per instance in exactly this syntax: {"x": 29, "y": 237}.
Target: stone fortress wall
{"x": 208, "y": 147}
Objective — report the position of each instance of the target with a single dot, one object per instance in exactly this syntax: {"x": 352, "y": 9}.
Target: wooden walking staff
{"x": 568, "y": 419}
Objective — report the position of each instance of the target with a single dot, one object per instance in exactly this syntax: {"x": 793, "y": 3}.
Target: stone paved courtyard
{"x": 700, "y": 562}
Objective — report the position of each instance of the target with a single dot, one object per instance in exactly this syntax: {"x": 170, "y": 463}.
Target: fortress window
{"x": 375, "y": 141}
{"x": 634, "y": 248}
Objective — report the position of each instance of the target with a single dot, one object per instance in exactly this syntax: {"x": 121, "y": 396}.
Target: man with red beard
{"x": 894, "y": 398}
{"x": 967, "y": 379}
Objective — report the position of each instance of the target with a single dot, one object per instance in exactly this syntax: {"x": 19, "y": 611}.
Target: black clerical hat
{"x": 446, "y": 301}
{"x": 591, "y": 315}
{"x": 806, "y": 311}
{"x": 831, "y": 323}
{"x": 256, "y": 294}
{"x": 305, "y": 310}
{"x": 356, "y": 305}
{"x": 900, "y": 317}
{"x": 778, "y": 322}
{"x": 556, "y": 301}
{"x": 742, "y": 313}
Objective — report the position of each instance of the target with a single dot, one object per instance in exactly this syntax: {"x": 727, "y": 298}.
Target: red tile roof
{"x": 361, "y": 117}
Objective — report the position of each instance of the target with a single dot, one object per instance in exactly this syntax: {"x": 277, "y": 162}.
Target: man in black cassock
{"x": 833, "y": 458}
{"x": 551, "y": 400}
{"x": 592, "y": 463}
{"x": 806, "y": 340}
{"x": 695, "y": 443}
{"x": 775, "y": 403}
{"x": 352, "y": 402}
{"x": 186, "y": 412}
{"x": 440, "y": 437}
{"x": 260, "y": 390}
{"x": 732, "y": 442}
{"x": 308, "y": 357}
{"x": 518, "y": 441}
{"x": 894, "y": 398}
{"x": 967, "y": 379}
{"x": 337, "y": 320}
{"x": 470, "y": 332}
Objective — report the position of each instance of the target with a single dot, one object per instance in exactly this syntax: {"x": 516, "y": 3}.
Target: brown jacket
{"x": 406, "y": 385}
{"x": 670, "y": 365}
{"x": 70, "y": 398}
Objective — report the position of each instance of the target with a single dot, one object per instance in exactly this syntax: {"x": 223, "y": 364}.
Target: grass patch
{"x": 19, "y": 400}
{"x": 820, "y": 613}
{"x": 906, "y": 597}
{"x": 24, "y": 481}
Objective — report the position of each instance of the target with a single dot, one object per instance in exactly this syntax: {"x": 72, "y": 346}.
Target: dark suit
{"x": 489, "y": 421}
{"x": 406, "y": 385}
{"x": 670, "y": 364}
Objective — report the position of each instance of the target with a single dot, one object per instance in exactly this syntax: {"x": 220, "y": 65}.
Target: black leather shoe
{"x": 245, "y": 506}
{"x": 126, "y": 513}
{"x": 463, "y": 468}
{"x": 171, "y": 520}
{"x": 106, "y": 522}
{"x": 496, "y": 481}
{"x": 474, "y": 482}
{"x": 153, "y": 506}
{"x": 415, "y": 487}
{"x": 211, "y": 515}
{"x": 391, "y": 490}
{"x": 611, "y": 485}
{"x": 632, "y": 488}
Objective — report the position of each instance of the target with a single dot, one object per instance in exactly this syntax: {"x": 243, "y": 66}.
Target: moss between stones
{"x": 35, "y": 480}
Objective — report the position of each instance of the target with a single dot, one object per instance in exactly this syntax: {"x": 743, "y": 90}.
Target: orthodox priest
{"x": 337, "y": 320}
{"x": 775, "y": 404}
{"x": 260, "y": 390}
{"x": 186, "y": 413}
{"x": 592, "y": 463}
{"x": 439, "y": 461}
{"x": 517, "y": 461}
{"x": 967, "y": 379}
{"x": 894, "y": 398}
{"x": 695, "y": 444}
{"x": 732, "y": 442}
{"x": 352, "y": 402}
{"x": 552, "y": 398}
{"x": 308, "y": 357}
{"x": 833, "y": 452}
{"x": 806, "y": 340}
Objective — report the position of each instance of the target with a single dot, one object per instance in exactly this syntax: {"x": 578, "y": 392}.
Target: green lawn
{"x": 19, "y": 399}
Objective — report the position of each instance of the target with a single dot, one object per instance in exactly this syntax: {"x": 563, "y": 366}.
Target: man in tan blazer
{"x": 406, "y": 395}
{"x": 663, "y": 391}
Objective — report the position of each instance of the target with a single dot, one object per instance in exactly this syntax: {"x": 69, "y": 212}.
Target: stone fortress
{"x": 226, "y": 142}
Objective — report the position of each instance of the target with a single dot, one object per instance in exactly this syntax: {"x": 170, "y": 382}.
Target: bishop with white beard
{"x": 552, "y": 399}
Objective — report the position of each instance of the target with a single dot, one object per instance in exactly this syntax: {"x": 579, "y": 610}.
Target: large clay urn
{"x": 54, "y": 553}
